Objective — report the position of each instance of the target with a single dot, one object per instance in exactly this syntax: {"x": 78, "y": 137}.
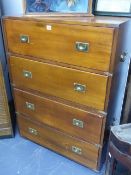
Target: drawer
{"x": 78, "y": 45}
{"x": 78, "y": 150}
{"x": 74, "y": 85}
{"x": 69, "y": 119}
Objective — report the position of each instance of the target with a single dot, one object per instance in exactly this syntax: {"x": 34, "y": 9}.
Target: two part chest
{"x": 61, "y": 77}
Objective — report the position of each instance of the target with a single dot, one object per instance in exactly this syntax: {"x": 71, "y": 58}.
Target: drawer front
{"x": 78, "y": 150}
{"x": 84, "y": 46}
{"x": 71, "y": 120}
{"x": 70, "y": 84}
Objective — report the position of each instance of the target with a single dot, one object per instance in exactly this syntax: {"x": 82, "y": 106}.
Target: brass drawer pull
{"x": 32, "y": 131}
{"x": 30, "y": 106}
{"x": 24, "y": 38}
{"x": 78, "y": 123}
{"x": 76, "y": 150}
{"x": 79, "y": 87}
{"x": 27, "y": 74}
{"x": 82, "y": 47}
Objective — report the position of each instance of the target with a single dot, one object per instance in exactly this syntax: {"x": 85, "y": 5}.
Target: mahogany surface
{"x": 54, "y": 64}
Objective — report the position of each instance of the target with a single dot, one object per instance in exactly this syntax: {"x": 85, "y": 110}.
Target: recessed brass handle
{"x": 30, "y": 106}
{"x": 79, "y": 87}
{"x": 76, "y": 150}
{"x": 78, "y": 123}
{"x": 33, "y": 131}
{"x": 24, "y": 38}
{"x": 27, "y": 74}
{"x": 82, "y": 47}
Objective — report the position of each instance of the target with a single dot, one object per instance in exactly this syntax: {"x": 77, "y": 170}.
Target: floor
{"x": 19, "y": 156}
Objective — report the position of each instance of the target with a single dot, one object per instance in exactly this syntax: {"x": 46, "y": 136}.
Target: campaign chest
{"x": 61, "y": 72}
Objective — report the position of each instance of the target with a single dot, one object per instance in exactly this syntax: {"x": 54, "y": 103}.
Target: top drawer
{"x": 78, "y": 45}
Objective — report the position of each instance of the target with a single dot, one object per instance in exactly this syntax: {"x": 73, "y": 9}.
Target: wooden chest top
{"x": 98, "y": 21}
{"x": 61, "y": 70}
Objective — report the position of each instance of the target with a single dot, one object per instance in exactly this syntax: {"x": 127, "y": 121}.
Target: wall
{"x": 12, "y": 7}
{"x": 2, "y": 54}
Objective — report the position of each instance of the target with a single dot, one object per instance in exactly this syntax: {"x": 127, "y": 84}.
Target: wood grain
{"x": 55, "y": 64}
{"x": 5, "y": 121}
{"x": 59, "y": 81}
{"x": 60, "y": 116}
{"x": 96, "y": 21}
{"x": 59, "y": 43}
{"x": 59, "y": 142}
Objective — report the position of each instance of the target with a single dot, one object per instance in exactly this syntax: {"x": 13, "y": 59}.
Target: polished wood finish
{"x": 59, "y": 142}
{"x": 45, "y": 66}
{"x": 5, "y": 121}
{"x": 59, "y": 43}
{"x": 97, "y": 21}
{"x": 60, "y": 116}
{"x": 55, "y": 80}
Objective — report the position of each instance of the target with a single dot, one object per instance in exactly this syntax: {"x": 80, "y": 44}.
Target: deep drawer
{"x": 78, "y": 86}
{"x": 78, "y": 45}
{"x": 69, "y": 119}
{"x": 78, "y": 150}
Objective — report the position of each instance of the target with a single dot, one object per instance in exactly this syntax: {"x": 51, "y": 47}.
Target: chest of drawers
{"x": 61, "y": 72}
